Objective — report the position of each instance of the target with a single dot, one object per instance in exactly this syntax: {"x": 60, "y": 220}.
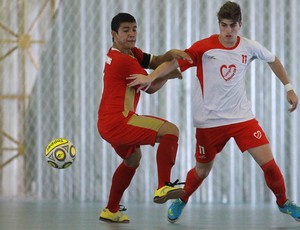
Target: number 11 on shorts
{"x": 201, "y": 149}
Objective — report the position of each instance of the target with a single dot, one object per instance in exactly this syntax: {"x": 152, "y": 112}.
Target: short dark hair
{"x": 119, "y": 18}
{"x": 230, "y": 10}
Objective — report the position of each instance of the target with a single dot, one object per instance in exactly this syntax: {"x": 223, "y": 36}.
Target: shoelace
{"x": 176, "y": 182}
{"x": 122, "y": 208}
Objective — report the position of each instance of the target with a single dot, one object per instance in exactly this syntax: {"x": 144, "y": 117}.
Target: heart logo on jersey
{"x": 228, "y": 72}
{"x": 257, "y": 134}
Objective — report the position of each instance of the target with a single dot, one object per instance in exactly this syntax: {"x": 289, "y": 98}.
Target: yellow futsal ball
{"x": 60, "y": 153}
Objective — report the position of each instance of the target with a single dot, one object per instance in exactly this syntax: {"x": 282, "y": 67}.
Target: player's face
{"x": 228, "y": 32}
{"x": 125, "y": 38}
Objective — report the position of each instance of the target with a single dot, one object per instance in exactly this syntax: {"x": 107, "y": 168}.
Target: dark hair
{"x": 119, "y": 18}
{"x": 230, "y": 10}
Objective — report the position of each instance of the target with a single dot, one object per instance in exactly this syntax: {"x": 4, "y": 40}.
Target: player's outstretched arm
{"x": 159, "y": 83}
{"x": 280, "y": 72}
{"x": 168, "y": 56}
{"x": 158, "y": 60}
{"x": 145, "y": 80}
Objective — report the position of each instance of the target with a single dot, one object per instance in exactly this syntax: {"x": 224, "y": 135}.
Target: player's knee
{"x": 203, "y": 172}
{"x": 133, "y": 160}
{"x": 169, "y": 128}
{"x": 175, "y": 130}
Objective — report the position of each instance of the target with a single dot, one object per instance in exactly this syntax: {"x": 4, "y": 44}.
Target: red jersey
{"x": 118, "y": 100}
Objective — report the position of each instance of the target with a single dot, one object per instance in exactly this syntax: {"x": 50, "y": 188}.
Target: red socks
{"x": 193, "y": 181}
{"x": 275, "y": 181}
{"x": 165, "y": 158}
{"x": 120, "y": 181}
{"x": 166, "y": 155}
{"x": 273, "y": 177}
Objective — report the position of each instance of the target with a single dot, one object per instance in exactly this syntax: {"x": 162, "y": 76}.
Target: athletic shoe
{"x": 175, "y": 210}
{"x": 168, "y": 192}
{"x": 117, "y": 217}
{"x": 291, "y": 209}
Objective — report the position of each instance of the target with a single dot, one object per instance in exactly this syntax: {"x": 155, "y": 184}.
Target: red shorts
{"x": 130, "y": 134}
{"x": 210, "y": 141}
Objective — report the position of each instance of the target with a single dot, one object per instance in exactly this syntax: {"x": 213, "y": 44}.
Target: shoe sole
{"x": 174, "y": 194}
{"x": 297, "y": 219}
{"x": 172, "y": 221}
{"x": 111, "y": 221}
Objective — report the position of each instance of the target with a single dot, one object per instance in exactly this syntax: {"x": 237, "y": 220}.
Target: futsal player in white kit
{"x": 220, "y": 106}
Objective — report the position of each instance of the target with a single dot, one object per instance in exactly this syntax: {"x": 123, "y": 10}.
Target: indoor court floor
{"x": 50, "y": 215}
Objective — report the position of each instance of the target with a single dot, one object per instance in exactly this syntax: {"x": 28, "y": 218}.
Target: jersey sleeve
{"x": 194, "y": 52}
{"x": 262, "y": 53}
{"x": 142, "y": 57}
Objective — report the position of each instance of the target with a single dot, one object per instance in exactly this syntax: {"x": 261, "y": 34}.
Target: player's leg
{"x": 250, "y": 136}
{"x": 274, "y": 179}
{"x": 167, "y": 136}
{"x": 147, "y": 130}
{"x": 120, "y": 182}
{"x": 208, "y": 143}
{"x": 194, "y": 179}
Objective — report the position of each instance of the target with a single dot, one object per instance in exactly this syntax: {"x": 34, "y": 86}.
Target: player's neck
{"x": 123, "y": 50}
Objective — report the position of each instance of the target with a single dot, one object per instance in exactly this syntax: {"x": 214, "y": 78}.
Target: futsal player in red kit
{"x": 125, "y": 130}
{"x": 221, "y": 109}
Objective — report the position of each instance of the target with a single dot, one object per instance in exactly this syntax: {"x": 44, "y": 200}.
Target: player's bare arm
{"x": 280, "y": 72}
{"x": 159, "y": 83}
{"x": 159, "y": 72}
{"x": 168, "y": 56}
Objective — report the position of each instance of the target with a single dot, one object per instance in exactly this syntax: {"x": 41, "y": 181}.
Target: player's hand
{"x": 292, "y": 99}
{"x": 179, "y": 54}
{"x": 144, "y": 81}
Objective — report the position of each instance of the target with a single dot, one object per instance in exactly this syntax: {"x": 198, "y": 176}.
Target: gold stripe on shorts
{"x": 145, "y": 122}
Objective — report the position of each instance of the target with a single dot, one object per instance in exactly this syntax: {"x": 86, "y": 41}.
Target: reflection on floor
{"x": 30, "y": 215}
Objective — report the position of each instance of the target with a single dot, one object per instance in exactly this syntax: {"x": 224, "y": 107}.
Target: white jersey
{"x": 220, "y": 97}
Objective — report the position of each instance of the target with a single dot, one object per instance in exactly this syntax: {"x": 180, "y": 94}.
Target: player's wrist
{"x": 288, "y": 87}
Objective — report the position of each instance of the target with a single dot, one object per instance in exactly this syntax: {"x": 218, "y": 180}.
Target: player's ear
{"x": 113, "y": 34}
